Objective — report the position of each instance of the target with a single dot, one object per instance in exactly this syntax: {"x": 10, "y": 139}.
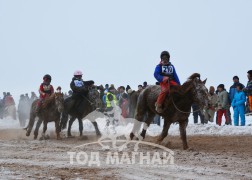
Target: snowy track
{"x": 224, "y": 152}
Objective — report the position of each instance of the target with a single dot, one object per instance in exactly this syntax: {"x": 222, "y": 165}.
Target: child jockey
{"x": 45, "y": 90}
{"x": 165, "y": 73}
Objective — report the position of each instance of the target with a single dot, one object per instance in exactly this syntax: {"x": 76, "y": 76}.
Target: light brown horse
{"x": 177, "y": 106}
{"x": 51, "y": 110}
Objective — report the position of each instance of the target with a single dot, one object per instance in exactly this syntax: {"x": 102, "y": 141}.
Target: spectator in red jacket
{"x": 9, "y": 101}
{"x": 9, "y": 104}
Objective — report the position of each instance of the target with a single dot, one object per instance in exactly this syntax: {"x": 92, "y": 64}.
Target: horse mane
{"x": 48, "y": 100}
{"x": 193, "y": 76}
{"x": 181, "y": 90}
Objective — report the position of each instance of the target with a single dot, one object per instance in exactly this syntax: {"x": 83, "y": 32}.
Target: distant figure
{"x": 121, "y": 96}
{"x": 106, "y": 87}
{"x": 1, "y": 108}
{"x": 10, "y": 108}
{"x": 248, "y": 91}
{"x": 70, "y": 93}
{"x": 211, "y": 108}
{"x": 111, "y": 104}
{"x": 238, "y": 104}
{"x": 197, "y": 113}
{"x": 140, "y": 88}
{"x": 233, "y": 89}
{"x": 145, "y": 84}
{"x": 27, "y": 97}
{"x": 223, "y": 104}
{"x": 125, "y": 105}
{"x": 127, "y": 88}
{"x": 33, "y": 97}
{"x": 23, "y": 110}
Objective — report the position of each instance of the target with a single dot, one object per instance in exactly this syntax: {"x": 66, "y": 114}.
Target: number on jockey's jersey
{"x": 167, "y": 69}
{"x": 78, "y": 83}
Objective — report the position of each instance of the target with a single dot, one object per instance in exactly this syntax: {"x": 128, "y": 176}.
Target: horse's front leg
{"x": 37, "y": 128}
{"x": 80, "y": 126}
{"x": 43, "y": 136}
{"x": 165, "y": 130}
{"x": 70, "y": 126}
{"x": 182, "y": 129}
{"x": 57, "y": 128}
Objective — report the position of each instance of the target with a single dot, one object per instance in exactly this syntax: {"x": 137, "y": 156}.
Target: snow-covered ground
{"x": 215, "y": 151}
{"x": 153, "y": 130}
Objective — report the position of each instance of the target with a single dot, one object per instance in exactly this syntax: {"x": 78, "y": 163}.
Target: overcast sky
{"x": 120, "y": 42}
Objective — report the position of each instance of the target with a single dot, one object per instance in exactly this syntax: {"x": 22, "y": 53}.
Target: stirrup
{"x": 158, "y": 108}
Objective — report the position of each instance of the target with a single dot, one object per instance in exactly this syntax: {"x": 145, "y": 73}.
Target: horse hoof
{"x": 131, "y": 136}
{"x": 59, "y": 138}
{"x": 70, "y": 136}
{"x": 83, "y": 138}
{"x": 35, "y": 137}
{"x": 185, "y": 147}
{"x": 47, "y": 137}
{"x": 27, "y": 134}
{"x": 42, "y": 138}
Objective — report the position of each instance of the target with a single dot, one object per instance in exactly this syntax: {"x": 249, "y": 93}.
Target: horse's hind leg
{"x": 80, "y": 126}
{"x": 37, "y": 128}
{"x": 139, "y": 118}
{"x": 30, "y": 124}
{"x": 70, "y": 126}
{"x": 182, "y": 129}
{"x": 149, "y": 119}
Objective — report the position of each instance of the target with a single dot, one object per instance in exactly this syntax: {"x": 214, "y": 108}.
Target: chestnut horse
{"x": 51, "y": 110}
{"x": 177, "y": 106}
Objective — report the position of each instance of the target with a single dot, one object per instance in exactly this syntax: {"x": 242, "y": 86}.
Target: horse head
{"x": 199, "y": 90}
{"x": 59, "y": 101}
{"x": 94, "y": 97}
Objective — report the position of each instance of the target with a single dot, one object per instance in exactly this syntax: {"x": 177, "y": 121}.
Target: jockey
{"x": 79, "y": 88}
{"x": 45, "y": 90}
{"x": 165, "y": 73}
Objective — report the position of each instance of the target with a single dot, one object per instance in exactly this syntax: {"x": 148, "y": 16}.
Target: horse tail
{"x": 141, "y": 105}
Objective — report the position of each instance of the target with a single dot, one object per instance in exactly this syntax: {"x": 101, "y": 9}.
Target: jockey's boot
{"x": 159, "y": 108}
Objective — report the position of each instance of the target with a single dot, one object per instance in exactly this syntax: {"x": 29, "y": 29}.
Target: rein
{"x": 181, "y": 110}
{"x": 91, "y": 103}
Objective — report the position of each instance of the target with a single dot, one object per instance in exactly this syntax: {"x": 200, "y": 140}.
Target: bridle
{"x": 181, "y": 110}
{"x": 176, "y": 107}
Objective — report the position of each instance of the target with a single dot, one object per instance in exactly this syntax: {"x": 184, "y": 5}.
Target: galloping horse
{"x": 50, "y": 111}
{"x": 177, "y": 106}
{"x": 83, "y": 108}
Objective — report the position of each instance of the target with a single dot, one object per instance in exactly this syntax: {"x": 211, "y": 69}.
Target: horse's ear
{"x": 205, "y": 81}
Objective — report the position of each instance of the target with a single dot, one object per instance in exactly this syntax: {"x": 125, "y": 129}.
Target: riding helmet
{"x": 165, "y": 53}
{"x": 47, "y": 77}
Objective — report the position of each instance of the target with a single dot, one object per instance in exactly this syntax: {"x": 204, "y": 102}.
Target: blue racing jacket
{"x": 166, "y": 70}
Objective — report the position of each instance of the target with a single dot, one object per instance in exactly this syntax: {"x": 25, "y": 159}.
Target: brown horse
{"x": 50, "y": 111}
{"x": 177, "y": 106}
